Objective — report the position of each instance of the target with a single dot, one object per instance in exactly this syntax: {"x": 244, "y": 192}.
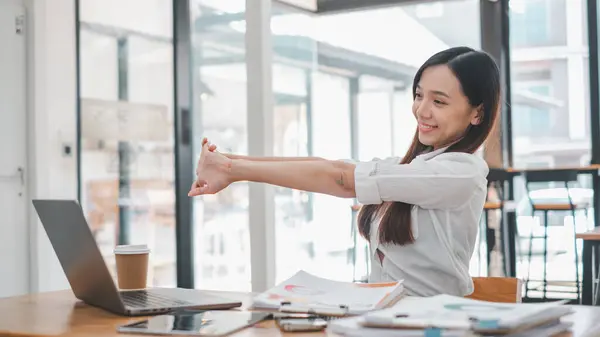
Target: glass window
{"x": 551, "y": 128}
{"x": 529, "y": 22}
{"x": 127, "y": 160}
{"x": 305, "y": 222}
{"x": 312, "y": 118}
{"x": 380, "y": 58}
{"x": 321, "y": 65}
{"x": 219, "y": 93}
{"x": 532, "y": 121}
{"x": 331, "y": 216}
{"x": 293, "y": 208}
{"x": 375, "y": 107}
{"x": 550, "y": 91}
{"x": 434, "y": 26}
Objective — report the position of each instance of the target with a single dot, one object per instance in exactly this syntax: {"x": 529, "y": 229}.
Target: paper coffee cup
{"x": 132, "y": 266}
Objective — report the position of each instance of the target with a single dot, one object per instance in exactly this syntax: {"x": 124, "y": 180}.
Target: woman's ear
{"x": 478, "y": 115}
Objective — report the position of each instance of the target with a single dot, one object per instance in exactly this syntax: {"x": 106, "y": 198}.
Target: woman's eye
{"x": 418, "y": 95}
{"x": 438, "y": 102}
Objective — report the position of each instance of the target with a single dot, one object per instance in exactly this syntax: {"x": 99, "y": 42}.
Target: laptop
{"x": 90, "y": 279}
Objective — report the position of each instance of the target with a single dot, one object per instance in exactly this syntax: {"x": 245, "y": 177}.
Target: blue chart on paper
{"x": 470, "y": 307}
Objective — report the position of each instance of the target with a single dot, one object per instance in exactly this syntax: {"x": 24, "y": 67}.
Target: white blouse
{"x": 448, "y": 191}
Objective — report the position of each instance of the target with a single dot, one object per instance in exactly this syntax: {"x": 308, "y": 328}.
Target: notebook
{"x": 307, "y": 293}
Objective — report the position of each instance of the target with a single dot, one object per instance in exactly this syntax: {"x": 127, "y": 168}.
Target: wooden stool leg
{"x": 529, "y": 253}
{"x": 577, "y": 285}
{"x": 481, "y": 234}
{"x": 491, "y": 243}
{"x": 595, "y": 283}
{"x": 545, "y": 280}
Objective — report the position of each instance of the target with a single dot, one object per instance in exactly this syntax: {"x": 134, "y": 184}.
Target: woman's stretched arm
{"x": 447, "y": 181}
{"x": 213, "y": 147}
{"x": 216, "y": 171}
{"x": 272, "y": 159}
{"x": 321, "y": 176}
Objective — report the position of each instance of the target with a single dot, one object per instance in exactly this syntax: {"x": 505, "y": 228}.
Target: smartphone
{"x": 302, "y": 324}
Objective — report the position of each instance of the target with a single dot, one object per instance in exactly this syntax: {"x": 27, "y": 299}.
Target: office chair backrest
{"x": 497, "y": 289}
{"x": 550, "y": 175}
{"x": 497, "y": 175}
{"x": 496, "y": 178}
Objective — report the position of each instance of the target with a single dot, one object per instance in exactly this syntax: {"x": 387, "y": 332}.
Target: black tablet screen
{"x": 207, "y": 323}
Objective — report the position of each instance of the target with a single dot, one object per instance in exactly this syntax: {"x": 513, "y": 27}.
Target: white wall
{"x": 14, "y": 250}
{"x": 51, "y": 123}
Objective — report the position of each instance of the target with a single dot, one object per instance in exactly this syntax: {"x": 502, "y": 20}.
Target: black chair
{"x": 564, "y": 177}
{"x": 496, "y": 179}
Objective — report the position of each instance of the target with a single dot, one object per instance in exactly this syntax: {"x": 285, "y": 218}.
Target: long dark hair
{"x": 479, "y": 78}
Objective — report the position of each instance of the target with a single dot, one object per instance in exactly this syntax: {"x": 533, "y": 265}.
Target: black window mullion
{"x": 184, "y": 161}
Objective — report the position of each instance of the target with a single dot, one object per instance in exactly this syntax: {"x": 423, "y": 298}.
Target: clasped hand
{"x": 213, "y": 171}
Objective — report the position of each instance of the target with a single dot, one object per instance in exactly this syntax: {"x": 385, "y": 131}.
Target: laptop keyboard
{"x": 146, "y": 299}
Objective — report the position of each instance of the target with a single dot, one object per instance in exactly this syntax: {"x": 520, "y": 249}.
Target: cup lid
{"x": 131, "y": 249}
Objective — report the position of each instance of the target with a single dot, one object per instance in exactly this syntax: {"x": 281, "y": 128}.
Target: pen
{"x": 340, "y": 310}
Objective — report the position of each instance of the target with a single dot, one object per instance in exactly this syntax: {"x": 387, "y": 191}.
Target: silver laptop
{"x": 89, "y": 277}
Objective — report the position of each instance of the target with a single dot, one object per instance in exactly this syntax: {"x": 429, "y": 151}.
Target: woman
{"x": 420, "y": 213}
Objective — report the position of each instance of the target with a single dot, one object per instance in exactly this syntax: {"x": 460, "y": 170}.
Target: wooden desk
{"x": 60, "y": 314}
{"x": 593, "y": 235}
{"x": 582, "y": 169}
{"x": 591, "y": 245}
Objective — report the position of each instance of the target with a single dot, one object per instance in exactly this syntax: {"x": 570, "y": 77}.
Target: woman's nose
{"x": 424, "y": 110}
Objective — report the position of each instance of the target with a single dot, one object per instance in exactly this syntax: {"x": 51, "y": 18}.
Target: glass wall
{"x": 309, "y": 100}
{"x": 222, "y": 240}
{"x": 293, "y": 209}
{"x": 549, "y": 83}
{"x": 127, "y": 160}
{"x": 331, "y": 216}
{"x": 376, "y": 126}
{"x": 551, "y": 128}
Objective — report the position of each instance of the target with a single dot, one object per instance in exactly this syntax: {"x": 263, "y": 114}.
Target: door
{"x": 14, "y": 244}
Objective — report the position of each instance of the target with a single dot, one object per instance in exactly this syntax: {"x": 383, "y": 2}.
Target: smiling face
{"x": 442, "y": 110}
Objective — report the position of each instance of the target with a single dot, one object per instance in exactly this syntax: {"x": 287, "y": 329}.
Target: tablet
{"x": 212, "y": 323}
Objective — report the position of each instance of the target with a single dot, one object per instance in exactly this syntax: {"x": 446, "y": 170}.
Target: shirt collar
{"x": 431, "y": 154}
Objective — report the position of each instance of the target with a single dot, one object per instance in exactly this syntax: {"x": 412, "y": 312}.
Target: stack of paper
{"x": 445, "y": 315}
{"x": 307, "y": 293}
{"x": 354, "y": 327}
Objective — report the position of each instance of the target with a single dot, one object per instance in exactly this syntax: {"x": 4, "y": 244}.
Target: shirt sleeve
{"x": 390, "y": 160}
{"x": 446, "y": 181}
